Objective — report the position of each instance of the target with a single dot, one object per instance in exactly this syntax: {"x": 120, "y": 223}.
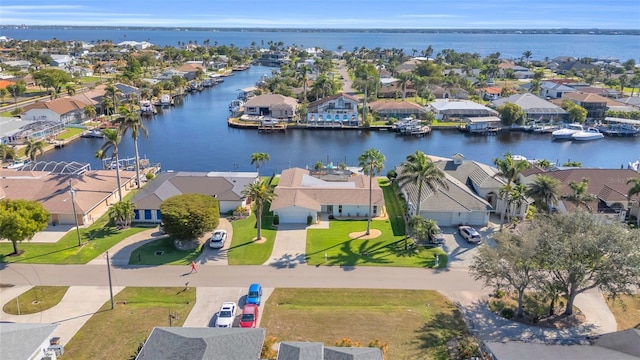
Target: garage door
{"x": 66, "y": 219}
{"x": 293, "y": 219}
{"x": 443, "y": 219}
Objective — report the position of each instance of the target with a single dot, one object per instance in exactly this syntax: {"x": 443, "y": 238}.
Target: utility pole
{"x": 109, "y": 274}
{"x": 75, "y": 216}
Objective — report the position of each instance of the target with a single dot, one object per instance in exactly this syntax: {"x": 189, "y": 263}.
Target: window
{"x": 375, "y": 209}
{"x": 147, "y": 214}
{"x": 136, "y": 214}
{"x": 158, "y": 215}
{"x": 340, "y": 209}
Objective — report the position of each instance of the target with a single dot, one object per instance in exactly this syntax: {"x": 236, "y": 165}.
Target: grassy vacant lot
{"x": 393, "y": 206}
{"x": 170, "y": 256}
{"x": 120, "y": 331}
{"x": 385, "y": 250}
{"x": 627, "y": 316}
{"x": 415, "y": 324}
{"x": 243, "y": 250}
{"x": 36, "y": 299}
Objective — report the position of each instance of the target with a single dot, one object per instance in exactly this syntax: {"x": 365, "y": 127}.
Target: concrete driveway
{"x": 461, "y": 252}
{"x": 216, "y": 257}
{"x": 289, "y": 247}
{"x": 210, "y": 299}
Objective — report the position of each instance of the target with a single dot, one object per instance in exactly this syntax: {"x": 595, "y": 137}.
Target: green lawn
{"x": 120, "y": 331}
{"x": 386, "y": 250}
{"x": 414, "y": 324}
{"x": 69, "y": 132}
{"x": 446, "y": 123}
{"x": 36, "y": 299}
{"x": 170, "y": 255}
{"x": 90, "y": 79}
{"x": 394, "y": 206}
{"x": 243, "y": 251}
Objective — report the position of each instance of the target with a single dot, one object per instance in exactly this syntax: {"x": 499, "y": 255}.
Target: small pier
{"x": 272, "y": 128}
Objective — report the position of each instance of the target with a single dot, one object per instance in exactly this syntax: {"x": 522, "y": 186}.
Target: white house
{"x": 226, "y": 187}
{"x": 301, "y": 194}
{"x": 549, "y": 89}
{"x": 28, "y": 341}
{"x": 340, "y": 109}
{"x": 65, "y": 109}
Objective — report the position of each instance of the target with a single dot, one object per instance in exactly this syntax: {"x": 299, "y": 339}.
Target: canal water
{"x": 194, "y": 136}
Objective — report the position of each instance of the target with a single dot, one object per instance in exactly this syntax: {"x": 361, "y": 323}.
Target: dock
{"x": 272, "y": 128}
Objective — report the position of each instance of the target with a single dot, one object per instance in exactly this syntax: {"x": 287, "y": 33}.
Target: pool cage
{"x": 57, "y": 167}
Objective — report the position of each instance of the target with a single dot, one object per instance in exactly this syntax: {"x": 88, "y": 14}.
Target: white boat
{"x": 566, "y": 132}
{"x": 635, "y": 166}
{"x": 95, "y": 133}
{"x": 145, "y": 107}
{"x": 17, "y": 164}
{"x": 588, "y": 134}
{"x": 235, "y": 105}
{"x": 165, "y": 100}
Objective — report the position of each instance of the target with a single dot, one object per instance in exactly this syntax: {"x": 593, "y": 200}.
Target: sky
{"x": 469, "y": 14}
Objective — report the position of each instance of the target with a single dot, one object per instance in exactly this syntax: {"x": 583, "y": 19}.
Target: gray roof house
{"x": 448, "y": 109}
{"x": 554, "y": 90}
{"x": 25, "y": 341}
{"x": 225, "y": 186}
{"x": 535, "y": 107}
{"x": 202, "y": 343}
{"x": 291, "y": 350}
{"x": 620, "y": 345}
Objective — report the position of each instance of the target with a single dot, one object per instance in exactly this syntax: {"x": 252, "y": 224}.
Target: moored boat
{"x": 146, "y": 107}
{"x": 567, "y": 132}
{"x": 587, "y": 134}
{"x": 635, "y": 166}
{"x": 95, "y": 133}
{"x": 165, "y": 100}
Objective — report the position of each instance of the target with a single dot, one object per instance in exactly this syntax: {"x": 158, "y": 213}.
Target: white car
{"x": 226, "y": 315}
{"x": 470, "y": 234}
{"x": 217, "y": 239}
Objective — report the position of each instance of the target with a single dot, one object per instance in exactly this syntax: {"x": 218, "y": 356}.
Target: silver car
{"x": 470, "y": 234}
{"x": 217, "y": 239}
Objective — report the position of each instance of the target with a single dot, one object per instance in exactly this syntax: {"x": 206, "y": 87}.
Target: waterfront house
{"x": 554, "y": 90}
{"x": 95, "y": 190}
{"x": 595, "y": 105}
{"x": 398, "y": 109}
{"x": 301, "y": 194}
{"x": 226, "y": 187}
{"x": 169, "y": 74}
{"x": 66, "y": 110}
{"x": 574, "y": 66}
{"x": 340, "y": 109}
{"x": 534, "y": 107}
{"x": 274, "y": 58}
{"x": 138, "y": 45}
{"x": 609, "y": 187}
{"x": 191, "y": 70}
{"x": 471, "y": 198}
{"x": 451, "y": 110}
{"x": 271, "y": 106}
{"x": 482, "y": 125}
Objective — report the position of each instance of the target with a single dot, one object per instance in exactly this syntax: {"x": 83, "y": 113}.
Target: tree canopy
{"x": 21, "y": 219}
{"x": 189, "y": 216}
{"x": 52, "y": 78}
{"x": 511, "y": 113}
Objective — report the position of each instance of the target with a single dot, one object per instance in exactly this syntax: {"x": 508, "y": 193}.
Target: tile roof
{"x": 52, "y": 190}
{"x": 271, "y": 100}
{"x": 60, "y": 106}
{"x": 531, "y": 104}
{"x": 396, "y": 105}
{"x": 298, "y": 188}
{"x": 224, "y": 186}
{"x": 22, "y": 340}
{"x": 202, "y": 343}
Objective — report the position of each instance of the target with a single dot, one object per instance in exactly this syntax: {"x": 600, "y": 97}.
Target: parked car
{"x": 217, "y": 239}
{"x": 249, "y": 318}
{"x": 436, "y": 237}
{"x": 470, "y": 234}
{"x": 254, "y": 296}
{"x": 226, "y": 315}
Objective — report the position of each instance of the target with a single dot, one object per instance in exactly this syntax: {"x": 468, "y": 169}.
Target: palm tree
{"x": 90, "y": 112}
{"x": 7, "y": 152}
{"x": 544, "y": 163}
{"x": 633, "y": 191}
{"x": 112, "y": 92}
{"x": 372, "y": 162}
{"x": 545, "y": 191}
{"x": 517, "y": 197}
{"x": 260, "y": 192}
{"x": 403, "y": 80}
{"x": 420, "y": 170}
{"x": 121, "y": 213}
{"x": 132, "y": 121}
{"x": 112, "y": 138}
{"x": 33, "y": 148}
{"x": 101, "y": 155}
{"x": 579, "y": 194}
{"x": 527, "y": 55}
{"x": 510, "y": 169}
{"x": 259, "y": 159}
{"x": 303, "y": 74}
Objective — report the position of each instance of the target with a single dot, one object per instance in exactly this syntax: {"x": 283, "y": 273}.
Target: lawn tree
{"x": 260, "y": 192}
{"x": 512, "y": 264}
{"x": 53, "y": 78}
{"x": 258, "y": 159}
{"x": 189, "y": 216}
{"x": 20, "y": 220}
{"x": 509, "y": 169}
{"x": 545, "y": 191}
{"x": 420, "y": 171}
{"x": 371, "y": 162}
{"x": 511, "y": 113}
{"x": 17, "y": 89}
{"x": 121, "y": 213}
{"x": 577, "y": 113}
{"x": 580, "y": 254}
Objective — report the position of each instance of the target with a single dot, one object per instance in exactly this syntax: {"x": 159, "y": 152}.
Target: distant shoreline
{"x": 551, "y": 31}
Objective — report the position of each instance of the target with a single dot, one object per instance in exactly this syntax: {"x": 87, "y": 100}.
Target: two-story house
{"x": 340, "y": 109}
{"x": 271, "y": 106}
{"x": 595, "y": 105}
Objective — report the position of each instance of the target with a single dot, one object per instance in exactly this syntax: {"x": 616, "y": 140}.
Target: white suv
{"x": 226, "y": 315}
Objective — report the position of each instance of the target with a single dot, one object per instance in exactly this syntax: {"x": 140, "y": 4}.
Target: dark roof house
{"x": 291, "y": 350}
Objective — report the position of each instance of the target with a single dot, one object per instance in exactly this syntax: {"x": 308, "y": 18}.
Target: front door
{"x": 330, "y": 209}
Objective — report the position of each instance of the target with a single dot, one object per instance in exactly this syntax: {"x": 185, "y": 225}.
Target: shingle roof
{"x": 22, "y": 341}
{"x": 352, "y": 353}
{"x": 528, "y": 351}
{"x": 298, "y": 188}
{"x": 224, "y": 186}
{"x": 202, "y": 343}
{"x": 461, "y": 107}
{"x": 317, "y": 351}
{"x": 60, "y": 106}
{"x": 396, "y": 105}
{"x": 271, "y": 100}
{"x": 531, "y": 104}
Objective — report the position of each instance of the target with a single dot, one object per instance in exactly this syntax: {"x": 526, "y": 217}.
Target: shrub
{"x": 500, "y": 293}
{"x": 507, "y": 313}
{"x": 16, "y": 112}
{"x": 150, "y": 176}
{"x": 276, "y": 220}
